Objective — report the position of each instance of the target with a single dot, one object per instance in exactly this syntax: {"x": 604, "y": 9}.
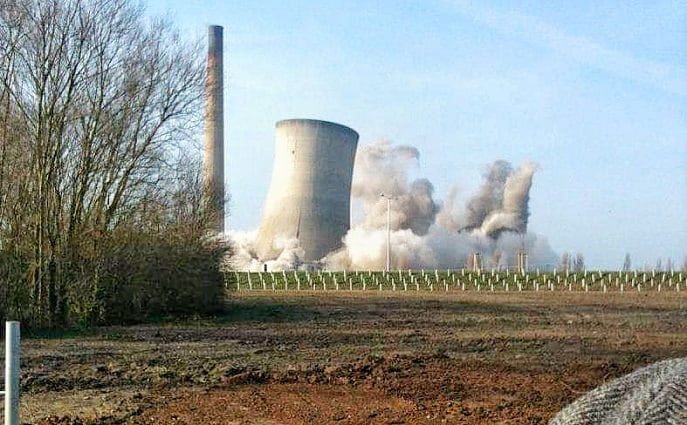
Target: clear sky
{"x": 595, "y": 92}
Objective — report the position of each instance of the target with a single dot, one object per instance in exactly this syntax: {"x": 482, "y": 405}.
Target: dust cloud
{"x": 424, "y": 232}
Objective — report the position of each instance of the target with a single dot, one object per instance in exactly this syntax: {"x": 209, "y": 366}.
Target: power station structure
{"x": 309, "y": 197}
{"x": 213, "y": 161}
{"x": 476, "y": 262}
{"x": 310, "y": 193}
{"x": 521, "y": 264}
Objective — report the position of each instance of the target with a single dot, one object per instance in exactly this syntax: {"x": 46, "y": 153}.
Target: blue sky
{"x": 595, "y": 92}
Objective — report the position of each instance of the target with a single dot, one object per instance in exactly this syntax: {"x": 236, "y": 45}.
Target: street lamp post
{"x": 388, "y": 230}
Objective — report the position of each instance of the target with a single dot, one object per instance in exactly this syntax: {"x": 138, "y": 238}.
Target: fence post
{"x": 11, "y": 373}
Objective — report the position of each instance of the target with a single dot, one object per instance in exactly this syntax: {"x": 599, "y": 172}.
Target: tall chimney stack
{"x": 214, "y": 126}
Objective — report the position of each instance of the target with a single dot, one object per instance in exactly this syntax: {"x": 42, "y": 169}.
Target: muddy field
{"x": 362, "y": 358}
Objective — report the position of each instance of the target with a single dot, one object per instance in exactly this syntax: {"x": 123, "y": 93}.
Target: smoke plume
{"x": 424, "y": 233}
{"x": 512, "y": 213}
{"x": 490, "y": 196}
{"x": 382, "y": 168}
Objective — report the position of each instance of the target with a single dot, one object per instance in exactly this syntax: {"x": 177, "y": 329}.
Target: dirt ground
{"x": 354, "y": 358}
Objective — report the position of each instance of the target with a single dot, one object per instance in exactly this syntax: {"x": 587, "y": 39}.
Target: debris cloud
{"x": 424, "y": 233}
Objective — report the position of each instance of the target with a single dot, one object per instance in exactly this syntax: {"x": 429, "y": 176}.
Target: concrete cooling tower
{"x": 310, "y": 194}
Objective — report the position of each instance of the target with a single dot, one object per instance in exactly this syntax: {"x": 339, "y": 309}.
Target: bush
{"x": 153, "y": 275}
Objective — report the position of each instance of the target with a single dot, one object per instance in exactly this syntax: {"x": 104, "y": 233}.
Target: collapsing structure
{"x": 310, "y": 193}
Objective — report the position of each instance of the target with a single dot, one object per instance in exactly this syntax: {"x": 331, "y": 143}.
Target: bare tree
{"x": 578, "y": 262}
{"x": 96, "y": 106}
{"x": 627, "y": 264}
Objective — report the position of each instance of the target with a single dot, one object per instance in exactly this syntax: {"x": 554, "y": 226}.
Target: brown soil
{"x": 362, "y": 358}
